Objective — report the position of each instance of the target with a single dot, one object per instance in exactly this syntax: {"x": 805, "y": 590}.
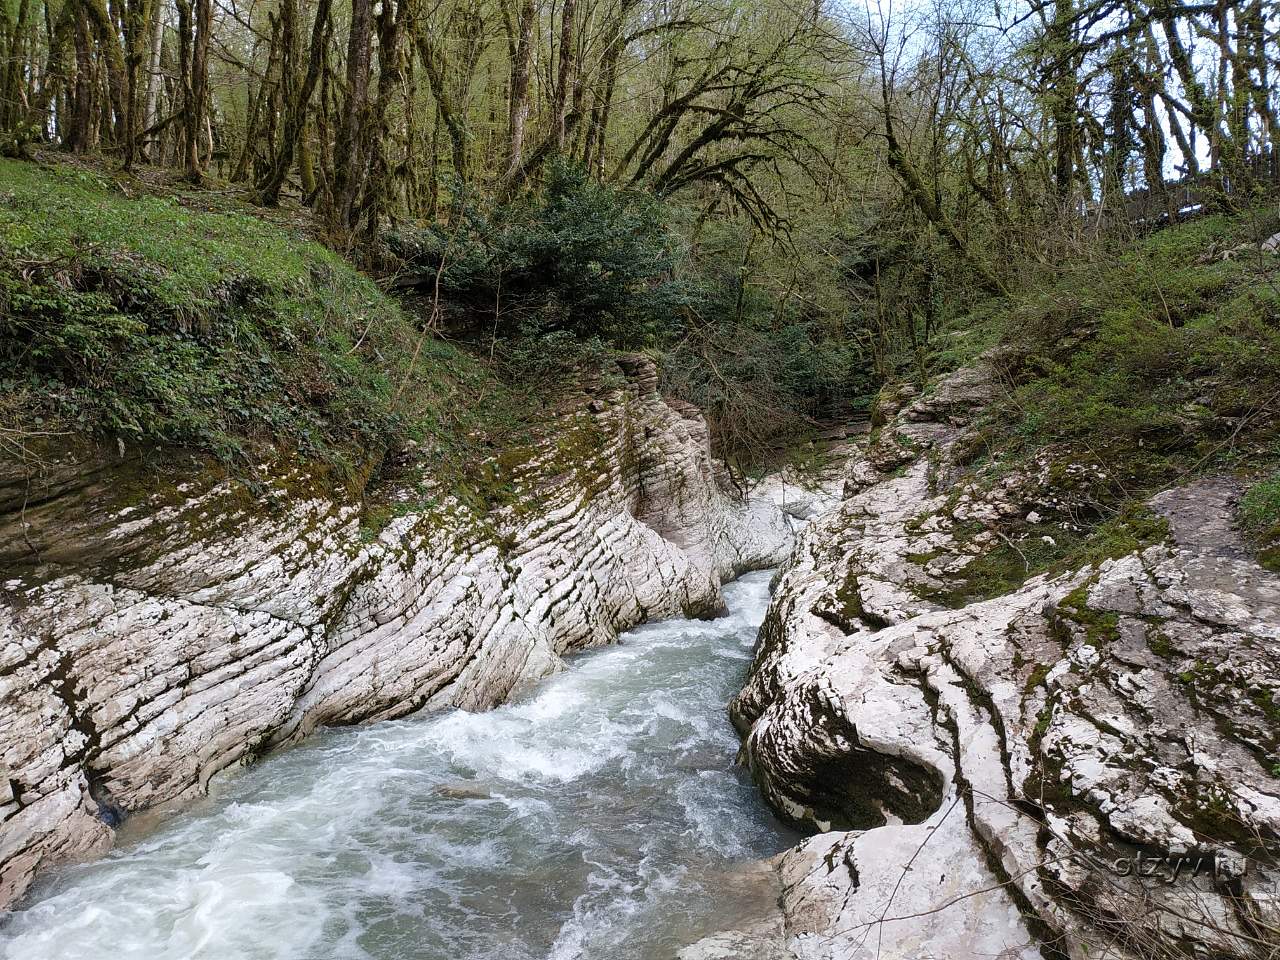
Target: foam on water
{"x": 591, "y": 819}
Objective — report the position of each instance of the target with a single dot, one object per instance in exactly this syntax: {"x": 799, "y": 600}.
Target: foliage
{"x": 1024, "y": 551}
{"x": 138, "y": 318}
{"x": 1156, "y": 360}
{"x": 577, "y": 257}
{"x": 763, "y": 362}
{"x": 547, "y": 284}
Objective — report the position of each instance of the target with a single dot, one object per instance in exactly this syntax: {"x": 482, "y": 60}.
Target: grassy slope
{"x": 1154, "y": 364}
{"x": 138, "y": 318}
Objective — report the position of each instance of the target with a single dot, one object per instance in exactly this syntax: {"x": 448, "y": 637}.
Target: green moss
{"x": 999, "y": 570}
{"x": 1200, "y": 674}
{"x": 138, "y": 318}
{"x": 1135, "y": 527}
{"x": 1266, "y": 702}
{"x": 1211, "y": 814}
{"x": 1159, "y": 643}
{"x": 1043, "y": 719}
{"x": 922, "y": 559}
{"x": 844, "y": 608}
{"x": 1036, "y": 677}
{"x": 1100, "y": 627}
{"x": 1023, "y": 552}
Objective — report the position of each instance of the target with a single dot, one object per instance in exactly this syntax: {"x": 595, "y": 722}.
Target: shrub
{"x": 578, "y": 257}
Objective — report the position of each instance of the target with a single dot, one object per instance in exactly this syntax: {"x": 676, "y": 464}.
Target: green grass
{"x": 1260, "y": 506}
{"x": 1260, "y": 517}
{"x": 139, "y": 319}
{"x": 1125, "y": 373}
{"x": 1158, "y": 359}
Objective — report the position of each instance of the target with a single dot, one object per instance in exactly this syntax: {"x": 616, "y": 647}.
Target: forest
{"x": 792, "y": 203}
{"x": 369, "y": 367}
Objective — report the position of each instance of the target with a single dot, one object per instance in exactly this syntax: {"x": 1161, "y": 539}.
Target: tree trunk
{"x": 518, "y": 107}
{"x": 598, "y": 136}
{"x": 104, "y": 31}
{"x": 375, "y": 198}
{"x": 568, "y": 58}
{"x": 1062, "y": 79}
{"x": 138, "y": 17}
{"x": 80, "y": 102}
{"x": 299, "y": 97}
{"x": 350, "y": 148}
{"x": 153, "y": 74}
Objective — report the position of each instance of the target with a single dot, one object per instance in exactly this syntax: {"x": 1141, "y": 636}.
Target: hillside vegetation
{"x": 1149, "y": 365}
{"x": 138, "y": 319}
{"x": 792, "y": 203}
{"x": 790, "y": 206}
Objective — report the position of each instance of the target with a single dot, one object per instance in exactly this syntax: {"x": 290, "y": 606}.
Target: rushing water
{"x": 599, "y": 817}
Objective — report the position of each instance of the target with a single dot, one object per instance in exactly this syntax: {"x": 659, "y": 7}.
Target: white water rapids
{"x": 599, "y": 817}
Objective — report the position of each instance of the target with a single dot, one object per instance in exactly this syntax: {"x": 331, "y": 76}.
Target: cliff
{"x": 155, "y": 634}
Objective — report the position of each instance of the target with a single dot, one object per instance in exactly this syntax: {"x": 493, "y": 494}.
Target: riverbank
{"x": 159, "y": 639}
{"x": 985, "y": 750}
{"x": 600, "y": 814}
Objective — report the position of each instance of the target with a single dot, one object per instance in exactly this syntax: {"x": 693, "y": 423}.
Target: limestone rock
{"x": 159, "y": 638}
{"x": 989, "y": 777}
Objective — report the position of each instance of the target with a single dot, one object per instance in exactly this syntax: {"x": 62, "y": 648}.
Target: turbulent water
{"x": 599, "y": 817}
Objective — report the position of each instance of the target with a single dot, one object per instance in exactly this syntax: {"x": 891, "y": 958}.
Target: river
{"x": 599, "y": 816}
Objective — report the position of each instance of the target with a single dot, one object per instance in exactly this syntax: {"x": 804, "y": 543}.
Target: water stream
{"x": 598, "y": 817}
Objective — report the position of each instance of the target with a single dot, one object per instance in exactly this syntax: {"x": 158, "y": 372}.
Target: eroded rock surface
{"x": 994, "y": 778}
{"x": 149, "y": 641}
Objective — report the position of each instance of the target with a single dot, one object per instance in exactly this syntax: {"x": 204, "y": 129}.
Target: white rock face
{"x": 986, "y": 777}
{"x": 153, "y": 646}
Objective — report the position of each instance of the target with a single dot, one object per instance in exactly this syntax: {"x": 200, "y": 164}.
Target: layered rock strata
{"x": 152, "y": 638}
{"x": 1087, "y": 765}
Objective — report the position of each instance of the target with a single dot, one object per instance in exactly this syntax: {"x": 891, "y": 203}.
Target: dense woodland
{"x": 794, "y": 202}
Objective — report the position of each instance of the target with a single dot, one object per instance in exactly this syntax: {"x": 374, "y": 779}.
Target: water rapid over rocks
{"x": 600, "y": 815}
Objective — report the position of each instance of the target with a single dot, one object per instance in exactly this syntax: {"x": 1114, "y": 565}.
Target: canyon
{"x": 976, "y": 775}
{"x": 151, "y": 640}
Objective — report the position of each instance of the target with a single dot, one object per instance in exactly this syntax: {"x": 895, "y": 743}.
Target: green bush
{"x": 549, "y": 283}
{"x": 577, "y": 256}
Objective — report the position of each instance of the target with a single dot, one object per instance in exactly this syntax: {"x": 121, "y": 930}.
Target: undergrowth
{"x": 1157, "y": 359}
{"x": 138, "y": 319}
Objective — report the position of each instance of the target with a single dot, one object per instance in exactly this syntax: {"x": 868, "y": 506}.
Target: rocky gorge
{"x": 1081, "y": 762}
{"x": 152, "y": 637}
